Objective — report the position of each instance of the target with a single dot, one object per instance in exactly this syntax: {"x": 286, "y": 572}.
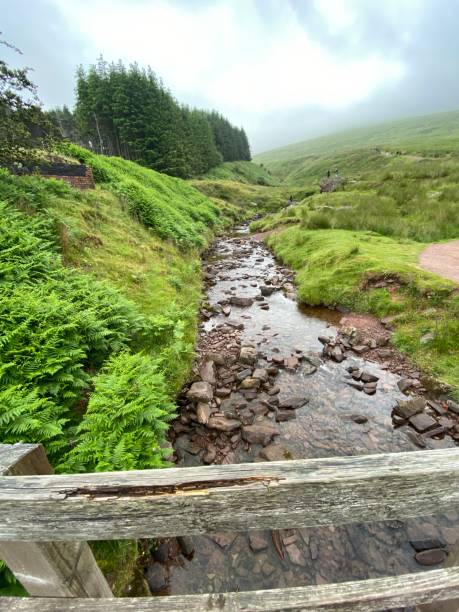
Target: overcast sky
{"x": 286, "y": 70}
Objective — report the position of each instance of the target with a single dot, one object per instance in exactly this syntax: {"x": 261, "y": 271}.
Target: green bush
{"x": 127, "y": 417}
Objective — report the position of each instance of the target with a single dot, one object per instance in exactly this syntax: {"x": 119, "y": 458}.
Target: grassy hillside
{"x": 242, "y": 172}
{"x": 385, "y": 211}
{"x": 365, "y": 149}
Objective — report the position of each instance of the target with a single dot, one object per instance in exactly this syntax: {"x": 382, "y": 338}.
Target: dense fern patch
{"x": 58, "y": 327}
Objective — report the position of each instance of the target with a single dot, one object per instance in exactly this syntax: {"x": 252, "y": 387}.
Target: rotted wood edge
{"x": 303, "y": 493}
{"x": 366, "y": 595}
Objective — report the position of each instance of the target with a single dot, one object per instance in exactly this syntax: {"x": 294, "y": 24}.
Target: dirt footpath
{"x": 443, "y": 259}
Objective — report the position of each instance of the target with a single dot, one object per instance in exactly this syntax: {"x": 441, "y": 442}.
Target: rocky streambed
{"x": 277, "y": 381}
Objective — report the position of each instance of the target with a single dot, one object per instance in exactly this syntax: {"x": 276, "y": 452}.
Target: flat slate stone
{"x": 422, "y": 422}
{"x": 420, "y": 545}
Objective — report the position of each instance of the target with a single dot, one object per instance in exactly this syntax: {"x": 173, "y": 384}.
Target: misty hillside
{"x": 363, "y": 148}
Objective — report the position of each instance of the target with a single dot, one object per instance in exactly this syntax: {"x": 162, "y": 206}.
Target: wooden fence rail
{"x": 41, "y": 517}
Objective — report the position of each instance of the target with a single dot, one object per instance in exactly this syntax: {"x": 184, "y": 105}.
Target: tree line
{"x": 128, "y": 112}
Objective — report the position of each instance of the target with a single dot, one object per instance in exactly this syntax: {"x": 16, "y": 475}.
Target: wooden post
{"x": 51, "y": 569}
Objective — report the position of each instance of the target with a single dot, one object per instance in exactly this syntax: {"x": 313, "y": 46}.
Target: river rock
{"x": 207, "y": 372}
{"x": 223, "y": 424}
{"x": 309, "y": 369}
{"x": 285, "y": 415}
{"x": 422, "y": 422}
{"x": 274, "y": 452}
{"x": 366, "y": 377}
{"x": 409, "y": 408}
{"x": 156, "y": 577}
{"x": 293, "y": 402}
{"x": 259, "y": 433}
{"x": 266, "y": 291}
{"x": 291, "y": 363}
{"x": 420, "y": 545}
{"x": 453, "y": 406}
{"x": 258, "y": 541}
{"x": 261, "y": 374}
{"x": 244, "y": 374}
{"x": 186, "y": 546}
{"x": 431, "y": 557}
{"x": 203, "y": 412}
{"x": 210, "y": 455}
{"x": 295, "y": 556}
{"x": 223, "y": 539}
{"x": 241, "y": 301}
{"x": 248, "y": 355}
{"x": 250, "y": 383}
{"x": 201, "y": 392}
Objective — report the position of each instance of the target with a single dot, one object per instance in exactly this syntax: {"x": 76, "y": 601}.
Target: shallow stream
{"x": 326, "y": 426}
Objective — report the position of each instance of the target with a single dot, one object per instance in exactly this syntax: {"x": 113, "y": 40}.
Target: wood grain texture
{"x": 365, "y": 596}
{"x": 182, "y": 501}
{"x": 58, "y": 569}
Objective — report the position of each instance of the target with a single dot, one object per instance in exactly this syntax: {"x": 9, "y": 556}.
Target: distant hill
{"x": 364, "y": 148}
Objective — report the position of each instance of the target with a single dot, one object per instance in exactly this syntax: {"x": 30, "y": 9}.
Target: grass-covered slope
{"x": 243, "y": 172}
{"x": 368, "y": 148}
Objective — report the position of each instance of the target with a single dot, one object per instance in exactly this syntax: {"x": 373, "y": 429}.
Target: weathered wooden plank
{"x": 364, "y": 595}
{"x": 209, "y": 499}
{"x": 58, "y": 569}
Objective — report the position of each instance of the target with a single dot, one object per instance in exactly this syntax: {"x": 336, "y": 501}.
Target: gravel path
{"x": 443, "y": 259}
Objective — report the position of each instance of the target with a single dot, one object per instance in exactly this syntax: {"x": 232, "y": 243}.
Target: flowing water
{"x": 325, "y": 427}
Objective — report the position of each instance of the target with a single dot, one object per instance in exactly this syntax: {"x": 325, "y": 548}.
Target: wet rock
{"x": 285, "y": 415}
{"x": 453, "y": 406}
{"x": 241, "y": 301}
{"x": 360, "y": 419}
{"x": 200, "y": 391}
{"x": 156, "y": 577}
{"x": 235, "y": 324}
{"x": 161, "y": 552}
{"x": 261, "y": 374}
{"x": 259, "y": 409}
{"x": 248, "y": 355}
{"x": 309, "y": 369}
{"x": 210, "y": 455}
{"x": 223, "y": 424}
{"x": 295, "y": 556}
{"x": 226, "y": 310}
{"x": 258, "y": 541}
{"x": 324, "y": 339}
{"x": 420, "y": 545}
{"x": 337, "y": 354}
{"x": 369, "y": 388}
{"x": 291, "y": 363}
{"x": 264, "y": 306}
{"x": 356, "y": 384}
{"x": 223, "y": 539}
{"x": 431, "y": 557}
{"x": 186, "y": 546}
{"x": 404, "y": 384}
{"x": 259, "y": 433}
{"x": 207, "y": 372}
{"x": 416, "y": 438}
{"x": 274, "y": 452}
{"x": 422, "y": 422}
{"x": 244, "y": 374}
{"x": 223, "y": 392}
{"x": 366, "y": 377}
{"x": 409, "y": 408}
{"x": 293, "y": 403}
{"x": 278, "y": 360}
{"x": 203, "y": 412}
{"x": 273, "y": 390}
{"x": 250, "y": 383}
{"x": 436, "y": 431}
{"x": 268, "y": 568}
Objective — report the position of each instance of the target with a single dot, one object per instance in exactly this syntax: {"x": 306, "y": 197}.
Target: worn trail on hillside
{"x": 443, "y": 259}
{"x": 264, "y": 391}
